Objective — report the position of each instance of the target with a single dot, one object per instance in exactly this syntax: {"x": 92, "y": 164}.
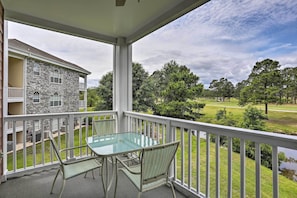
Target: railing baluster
{"x": 207, "y": 182}
{"x": 42, "y": 143}
{"x": 275, "y": 171}
{"x": 24, "y": 145}
{"x": 80, "y": 137}
{"x": 158, "y": 132}
{"x": 164, "y": 133}
{"x": 182, "y": 155}
{"x": 258, "y": 169}
{"x": 242, "y": 168}
{"x": 51, "y": 131}
{"x": 14, "y": 146}
{"x": 230, "y": 145}
{"x": 198, "y": 163}
{"x": 34, "y": 143}
{"x": 189, "y": 158}
{"x": 218, "y": 166}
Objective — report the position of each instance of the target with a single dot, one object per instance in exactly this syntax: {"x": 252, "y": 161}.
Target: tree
{"x": 289, "y": 86}
{"x": 177, "y": 87}
{"x": 253, "y": 119}
{"x": 93, "y": 97}
{"x": 263, "y": 84}
{"x": 239, "y": 86}
{"x": 222, "y": 88}
{"x": 145, "y": 96}
{"x": 141, "y": 92}
{"x": 105, "y": 92}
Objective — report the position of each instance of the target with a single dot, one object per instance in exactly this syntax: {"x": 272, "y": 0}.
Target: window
{"x": 55, "y": 100}
{"x": 36, "y": 69}
{"x": 36, "y": 97}
{"x": 56, "y": 77}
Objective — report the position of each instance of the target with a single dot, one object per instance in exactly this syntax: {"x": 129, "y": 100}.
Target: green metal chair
{"x": 152, "y": 170}
{"x": 72, "y": 168}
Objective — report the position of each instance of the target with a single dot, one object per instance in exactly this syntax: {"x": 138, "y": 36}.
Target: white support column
{"x": 122, "y": 81}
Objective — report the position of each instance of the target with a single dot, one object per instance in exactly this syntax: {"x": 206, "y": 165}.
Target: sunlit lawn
{"x": 278, "y": 121}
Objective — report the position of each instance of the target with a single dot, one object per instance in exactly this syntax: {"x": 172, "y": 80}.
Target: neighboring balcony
{"x": 15, "y": 94}
{"x": 82, "y": 103}
{"x": 82, "y": 87}
{"x": 202, "y": 167}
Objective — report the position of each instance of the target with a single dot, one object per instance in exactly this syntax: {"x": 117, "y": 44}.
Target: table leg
{"x": 106, "y": 182}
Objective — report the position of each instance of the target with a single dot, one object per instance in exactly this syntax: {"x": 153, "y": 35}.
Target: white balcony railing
{"x": 82, "y": 87}
{"x": 82, "y": 103}
{"x": 15, "y": 92}
{"x": 35, "y": 151}
{"x": 199, "y": 158}
{"x": 197, "y": 167}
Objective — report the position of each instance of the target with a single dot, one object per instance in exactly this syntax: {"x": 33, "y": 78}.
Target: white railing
{"x": 35, "y": 150}
{"x": 198, "y": 168}
{"x": 82, "y": 87}
{"x": 199, "y": 157}
{"x": 81, "y": 103}
{"x": 15, "y": 92}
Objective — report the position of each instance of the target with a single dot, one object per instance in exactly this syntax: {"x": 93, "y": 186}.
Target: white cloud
{"x": 219, "y": 39}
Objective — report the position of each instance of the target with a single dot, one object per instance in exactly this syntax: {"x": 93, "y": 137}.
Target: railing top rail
{"x": 274, "y": 139}
{"x": 56, "y": 115}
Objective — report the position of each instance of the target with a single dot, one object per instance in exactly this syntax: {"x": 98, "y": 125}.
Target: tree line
{"x": 173, "y": 91}
{"x": 170, "y": 91}
{"x": 266, "y": 83}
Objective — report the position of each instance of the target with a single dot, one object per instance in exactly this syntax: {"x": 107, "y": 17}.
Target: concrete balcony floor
{"x": 38, "y": 184}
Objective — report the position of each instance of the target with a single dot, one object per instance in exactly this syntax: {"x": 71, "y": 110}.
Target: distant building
{"x": 40, "y": 83}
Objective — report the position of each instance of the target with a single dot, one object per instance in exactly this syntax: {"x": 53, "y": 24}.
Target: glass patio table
{"x": 116, "y": 144}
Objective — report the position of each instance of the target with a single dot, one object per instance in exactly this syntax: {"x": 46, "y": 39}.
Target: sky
{"x": 222, "y": 38}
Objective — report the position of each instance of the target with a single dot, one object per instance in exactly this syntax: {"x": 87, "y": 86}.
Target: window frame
{"x": 36, "y": 67}
{"x": 56, "y": 77}
{"x": 36, "y": 97}
{"x": 55, "y": 100}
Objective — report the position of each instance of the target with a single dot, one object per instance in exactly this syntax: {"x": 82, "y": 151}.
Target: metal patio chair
{"x": 73, "y": 167}
{"x": 152, "y": 170}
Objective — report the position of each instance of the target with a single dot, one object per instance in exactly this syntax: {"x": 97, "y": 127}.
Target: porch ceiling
{"x": 99, "y": 19}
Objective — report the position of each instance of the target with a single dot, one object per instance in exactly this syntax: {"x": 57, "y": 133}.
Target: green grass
{"x": 287, "y": 187}
{"x": 48, "y": 154}
{"x": 278, "y": 121}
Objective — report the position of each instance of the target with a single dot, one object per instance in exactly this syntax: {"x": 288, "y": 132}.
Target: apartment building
{"x": 40, "y": 83}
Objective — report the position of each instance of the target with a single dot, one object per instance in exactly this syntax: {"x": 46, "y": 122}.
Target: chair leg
{"x": 92, "y": 174}
{"x": 62, "y": 189}
{"x": 172, "y": 188}
{"x": 55, "y": 180}
{"x": 139, "y": 194}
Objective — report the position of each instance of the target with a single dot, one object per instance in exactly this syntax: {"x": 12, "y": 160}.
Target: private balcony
{"x": 15, "y": 94}
{"x": 82, "y": 87}
{"x": 201, "y": 168}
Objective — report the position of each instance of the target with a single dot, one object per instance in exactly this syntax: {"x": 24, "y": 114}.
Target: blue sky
{"x": 219, "y": 39}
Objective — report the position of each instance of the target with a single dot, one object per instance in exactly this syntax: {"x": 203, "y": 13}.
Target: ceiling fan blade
{"x": 120, "y": 2}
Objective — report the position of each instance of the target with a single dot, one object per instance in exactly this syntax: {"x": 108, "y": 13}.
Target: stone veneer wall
{"x": 68, "y": 89}
{"x": 1, "y": 85}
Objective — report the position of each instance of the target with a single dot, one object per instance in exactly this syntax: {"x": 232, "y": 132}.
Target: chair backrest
{"x": 104, "y": 127}
{"x": 54, "y": 145}
{"x": 156, "y": 160}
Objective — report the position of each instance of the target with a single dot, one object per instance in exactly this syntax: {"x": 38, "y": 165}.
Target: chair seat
{"x": 74, "y": 169}
{"x": 135, "y": 179}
